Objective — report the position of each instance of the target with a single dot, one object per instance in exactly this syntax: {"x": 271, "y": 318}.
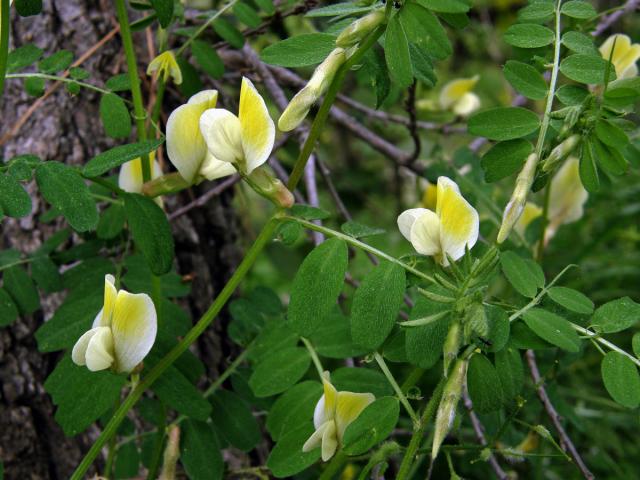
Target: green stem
{"x": 157, "y": 106}
{"x": 111, "y": 453}
{"x": 334, "y": 466}
{"x": 157, "y": 447}
{"x": 606, "y": 343}
{"x": 56, "y": 78}
{"x": 314, "y": 356}
{"x": 416, "y": 438}
{"x": 261, "y": 241}
{"x": 204, "y": 26}
{"x": 361, "y": 245}
{"x": 139, "y": 112}
{"x": 320, "y": 119}
{"x": 398, "y": 390}
{"x": 228, "y": 372}
{"x": 5, "y": 16}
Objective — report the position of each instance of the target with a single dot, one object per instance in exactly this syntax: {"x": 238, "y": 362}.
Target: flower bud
{"x": 359, "y": 29}
{"x": 447, "y": 408}
{"x": 515, "y": 207}
{"x": 302, "y": 102}
{"x": 165, "y": 65}
{"x": 560, "y": 152}
{"x": 451, "y": 345}
{"x": 264, "y": 183}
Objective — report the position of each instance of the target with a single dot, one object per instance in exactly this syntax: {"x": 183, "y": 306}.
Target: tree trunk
{"x": 66, "y": 128}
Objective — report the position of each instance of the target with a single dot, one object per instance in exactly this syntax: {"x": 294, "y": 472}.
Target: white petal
{"x": 315, "y": 440}
{"x": 425, "y": 234}
{"x": 222, "y": 134}
{"x": 213, "y": 168}
{"x": 103, "y": 318}
{"x": 130, "y": 178}
{"x": 99, "y": 354}
{"x": 79, "y": 351}
{"x": 468, "y": 104}
{"x": 134, "y": 329}
{"x": 406, "y": 220}
{"x": 567, "y": 196}
{"x": 329, "y": 441}
{"x": 319, "y": 416}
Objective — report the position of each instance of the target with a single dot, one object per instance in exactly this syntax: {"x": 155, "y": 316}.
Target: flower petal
{"x": 315, "y": 440}
{"x": 425, "y": 234}
{"x": 454, "y": 90}
{"x": 213, "y": 168}
{"x": 459, "y": 223}
{"x": 130, "y": 177}
{"x": 103, "y": 318}
{"x": 258, "y": 129}
{"x": 222, "y": 133}
{"x": 329, "y": 441}
{"x": 430, "y": 196}
{"x": 407, "y": 219}
{"x": 567, "y": 196}
{"x": 348, "y": 407}
{"x": 443, "y": 184}
{"x": 468, "y": 104}
{"x": 185, "y": 145}
{"x": 134, "y": 329}
{"x": 99, "y": 354}
{"x": 627, "y": 64}
{"x": 329, "y": 401}
{"x": 79, "y": 352}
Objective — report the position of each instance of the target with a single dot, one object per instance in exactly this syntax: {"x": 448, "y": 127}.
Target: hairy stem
{"x": 314, "y": 356}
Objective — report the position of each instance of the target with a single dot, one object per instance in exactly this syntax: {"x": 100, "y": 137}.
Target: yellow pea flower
{"x": 122, "y": 334}
{"x": 244, "y": 141}
{"x": 130, "y": 176}
{"x": 567, "y": 197}
{"x": 334, "y": 412}
{"x": 624, "y": 56}
{"x": 430, "y": 196}
{"x": 458, "y": 97}
{"x": 301, "y": 103}
{"x": 165, "y": 66}
{"x": 186, "y": 147}
{"x": 448, "y": 230}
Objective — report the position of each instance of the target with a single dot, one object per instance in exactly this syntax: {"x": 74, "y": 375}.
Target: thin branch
{"x": 565, "y": 442}
{"x": 478, "y": 428}
{"x": 413, "y": 119}
{"x": 203, "y": 199}
{"x": 606, "y": 22}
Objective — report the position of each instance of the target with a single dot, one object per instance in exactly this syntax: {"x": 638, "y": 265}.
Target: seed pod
{"x": 514, "y": 208}
{"x": 359, "y": 29}
{"x": 447, "y": 408}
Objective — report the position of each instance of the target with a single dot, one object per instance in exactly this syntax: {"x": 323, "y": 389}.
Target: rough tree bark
{"x": 65, "y": 128}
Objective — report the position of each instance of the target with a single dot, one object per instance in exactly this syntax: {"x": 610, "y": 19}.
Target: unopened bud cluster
{"x": 301, "y": 103}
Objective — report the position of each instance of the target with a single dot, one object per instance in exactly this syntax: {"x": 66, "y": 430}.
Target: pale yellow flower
{"x": 446, "y": 231}
{"x": 130, "y": 178}
{"x": 624, "y": 56}
{"x": 165, "y": 66}
{"x": 457, "y": 96}
{"x": 529, "y": 214}
{"x": 334, "y": 412}
{"x": 122, "y": 334}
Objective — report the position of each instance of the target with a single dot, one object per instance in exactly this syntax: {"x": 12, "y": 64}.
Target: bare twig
{"x": 203, "y": 199}
{"x": 565, "y": 441}
{"x": 413, "y": 119}
{"x": 609, "y": 20}
{"x": 478, "y": 428}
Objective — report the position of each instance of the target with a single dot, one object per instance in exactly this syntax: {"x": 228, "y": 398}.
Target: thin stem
{"x": 204, "y": 26}
{"x": 157, "y": 106}
{"x": 56, "y": 78}
{"x": 398, "y": 390}
{"x": 334, "y": 466}
{"x": 606, "y": 343}
{"x": 139, "y": 112}
{"x": 261, "y": 241}
{"x": 361, "y": 245}
{"x": 416, "y": 438}
{"x": 5, "y": 16}
{"x": 111, "y": 452}
{"x": 158, "y": 445}
{"x": 318, "y": 122}
{"x": 314, "y": 356}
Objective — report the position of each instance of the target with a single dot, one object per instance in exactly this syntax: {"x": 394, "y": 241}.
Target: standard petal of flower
{"x": 79, "y": 352}
{"x": 213, "y": 168}
{"x": 185, "y": 145}
{"x": 425, "y": 234}
{"x": 222, "y": 134}
{"x": 468, "y": 104}
{"x": 455, "y": 90}
{"x": 627, "y": 63}
{"x": 99, "y": 354}
{"x": 329, "y": 441}
{"x": 407, "y": 219}
{"x": 257, "y": 127}
{"x": 315, "y": 440}
{"x": 567, "y": 196}
{"x": 134, "y": 329}
{"x": 103, "y": 318}
{"x": 622, "y": 44}
{"x": 329, "y": 400}
{"x": 459, "y": 224}
{"x": 443, "y": 184}
{"x": 348, "y": 407}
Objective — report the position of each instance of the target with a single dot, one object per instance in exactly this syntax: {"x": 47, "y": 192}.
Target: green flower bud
{"x": 515, "y": 207}
{"x": 264, "y": 183}
{"x": 447, "y": 408}
{"x": 355, "y": 32}
{"x": 452, "y": 344}
{"x": 561, "y": 152}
